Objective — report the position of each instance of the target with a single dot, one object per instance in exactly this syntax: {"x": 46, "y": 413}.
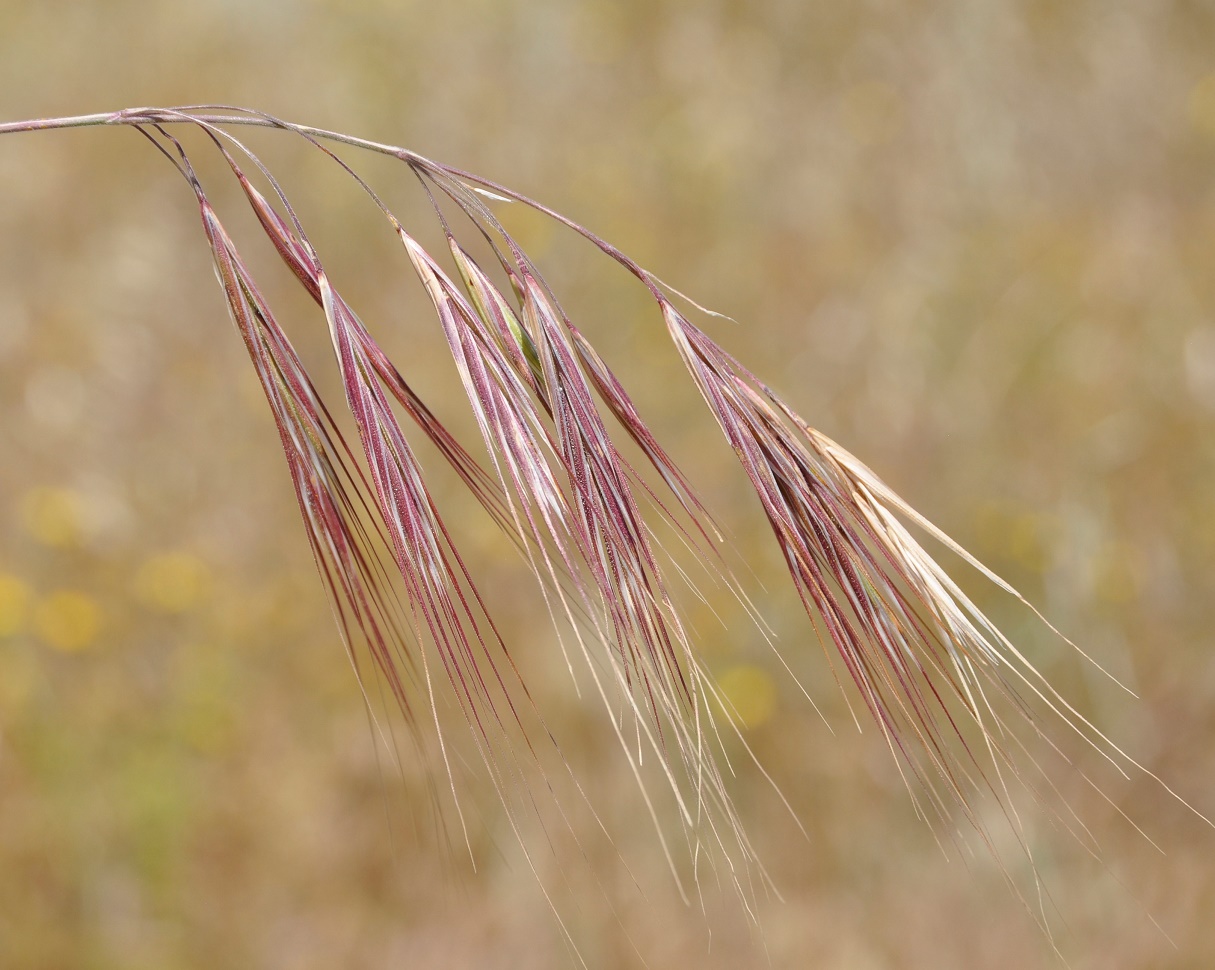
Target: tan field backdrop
{"x": 974, "y": 241}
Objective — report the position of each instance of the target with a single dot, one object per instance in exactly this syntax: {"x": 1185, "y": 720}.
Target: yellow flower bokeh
{"x": 173, "y": 582}
{"x": 14, "y": 605}
{"x": 68, "y": 620}
{"x": 52, "y": 516}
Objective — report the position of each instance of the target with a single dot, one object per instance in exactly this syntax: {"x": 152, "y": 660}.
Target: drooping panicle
{"x": 948, "y": 691}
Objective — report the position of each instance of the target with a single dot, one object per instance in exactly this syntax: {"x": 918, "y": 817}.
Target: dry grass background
{"x": 971, "y": 241}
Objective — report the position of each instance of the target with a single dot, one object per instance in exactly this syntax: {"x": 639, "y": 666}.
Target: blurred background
{"x": 969, "y": 240}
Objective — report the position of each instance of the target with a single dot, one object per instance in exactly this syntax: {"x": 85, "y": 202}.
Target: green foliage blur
{"x": 972, "y": 241}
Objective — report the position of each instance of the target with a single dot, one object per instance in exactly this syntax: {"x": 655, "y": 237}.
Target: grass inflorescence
{"x": 961, "y": 708}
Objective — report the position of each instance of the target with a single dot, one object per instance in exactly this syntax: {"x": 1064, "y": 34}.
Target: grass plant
{"x": 594, "y": 504}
